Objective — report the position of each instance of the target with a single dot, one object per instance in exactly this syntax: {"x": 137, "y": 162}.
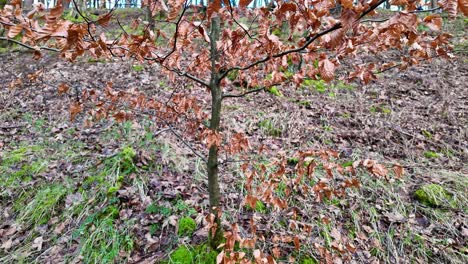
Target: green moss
{"x": 275, "y": 91}
{"x": 276, "y": 32}
{"x": 319, "y": 85}
{"x": 137, "y": 68}
{"x": 346, "y": 115}
{"x": 431, "y": 154}
{"x": 182, "y": 255}
{"x": 427, "y": 134}
{"x": 95, "y": 60}
{"x": 380, "y": 109}
{"x": 113, "y": 189}
{"x": 309, "y": 260}
{"x": 153, "y": 208}
{"x": 200, "y": 254}
{"x": 186, "y": 226}
{"x": 293, "y": 161}
{"x": 434, "y": 195}
{"x": 127, "y": 156}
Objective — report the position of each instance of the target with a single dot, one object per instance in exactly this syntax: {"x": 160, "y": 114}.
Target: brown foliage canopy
{"x": 255, "y": 42}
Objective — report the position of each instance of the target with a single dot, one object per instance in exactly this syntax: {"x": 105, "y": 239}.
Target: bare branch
{"x": 245, "y": 93}
{"x": 427, "y": 10}
{"x": 176, "y": 33}
{"x": 27, "y": 46}
{"x": 187, "y": 75}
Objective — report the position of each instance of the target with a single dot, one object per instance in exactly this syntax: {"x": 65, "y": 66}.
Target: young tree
{"x": 238, "y": 49}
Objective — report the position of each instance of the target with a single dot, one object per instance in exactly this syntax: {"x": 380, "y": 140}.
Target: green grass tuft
{"x": 43, "y": 206}
{"x": 102, "y": 242}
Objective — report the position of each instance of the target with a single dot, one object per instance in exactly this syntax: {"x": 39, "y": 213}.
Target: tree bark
{"x": 387, "y": 5}
{"x": 212, "y": 164}
{"x": 66, "y": 4}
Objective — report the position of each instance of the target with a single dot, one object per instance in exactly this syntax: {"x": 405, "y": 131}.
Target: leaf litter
{"x": 395, "y": 120}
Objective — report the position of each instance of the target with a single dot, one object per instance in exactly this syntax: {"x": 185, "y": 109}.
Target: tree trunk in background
{"x": 387, "y": 4}
{"x": 128, "y": 3}
{"x": 66, "y": 3}
{"x": 433, "y": 3}
{"x": 102, "y": 4}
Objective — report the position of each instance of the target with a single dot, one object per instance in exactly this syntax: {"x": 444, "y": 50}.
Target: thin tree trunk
{"x": 65, "y": 4}
{"x": 212, "y": 164}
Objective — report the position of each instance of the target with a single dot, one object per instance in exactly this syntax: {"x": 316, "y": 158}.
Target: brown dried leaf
{"x": 379, "y": 170}
{"x": 14, "y": 31}
{"x": 399, "y": 170}
{"x": 75, "y": 109}
{"x": 327, "y": 70}
{"x": 287, "y": 6}
{"x": 244, "y": 3}
{"x": 7, "y": 244}
{"x": 251, "y": 201}
{"x": 104, "y": 20}
{"x": 63, "y": 88}
{"x": 220, "y": 257}
{"x": 213, "y": 8}
{"x": 276, "y": 252}
{"x": 37, "y": 243}
{"x": 56, "y": 11}
{"x": 399, "y": 2}
{"x": 463, "y": 6}
{"x": 434, "y": 22}
{"x": 347, "y": 3}
{"x": 451, "y": 6}
{"x": 297, "y": 244}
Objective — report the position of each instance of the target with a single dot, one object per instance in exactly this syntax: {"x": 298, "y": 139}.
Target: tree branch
{"x": 256, "y": 90}
{"x": 244, "y": 94}
{"x": 27, "y": 46}
{"x": 427, "y": 10}
{"x": 303, "y": 47}
{"x": 176, "y": 33}
{"x": 187, "y": 75}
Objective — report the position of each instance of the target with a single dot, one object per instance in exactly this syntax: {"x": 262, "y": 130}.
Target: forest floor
{"x": 120, "y": 192}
